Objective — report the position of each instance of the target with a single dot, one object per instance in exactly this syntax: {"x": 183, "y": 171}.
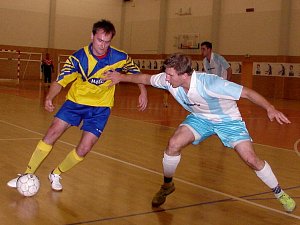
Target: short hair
{"x": 179, "y": 62}
{"x": 207, "y": 44}
{"x": 105, "y": 25}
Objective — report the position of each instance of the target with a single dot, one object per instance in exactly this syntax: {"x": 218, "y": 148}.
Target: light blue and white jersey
{"x": 217, "y": 65}
{"x": 209, "y": 97}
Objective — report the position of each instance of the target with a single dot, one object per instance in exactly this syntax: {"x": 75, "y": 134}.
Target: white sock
{"x": 267, "y": 176}
{"x": 170, "y": 164}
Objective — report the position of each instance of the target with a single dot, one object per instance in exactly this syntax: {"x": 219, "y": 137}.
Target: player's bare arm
{"x": 258, "y": 99}
{"x": 143, "y": 100}
{"x": 55, "y": 88}
{"x": 116, "y": 78}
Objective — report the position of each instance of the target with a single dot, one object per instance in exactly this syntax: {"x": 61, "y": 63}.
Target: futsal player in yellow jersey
{"x": 89, "y": 100}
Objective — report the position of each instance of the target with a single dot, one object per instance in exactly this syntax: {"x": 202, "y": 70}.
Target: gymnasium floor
{"x": 117, "y": 180}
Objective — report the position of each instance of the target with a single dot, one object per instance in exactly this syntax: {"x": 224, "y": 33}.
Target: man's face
{"x": 205, "y": 51}
{"x": 173, "y": 78}
{"x": 101, "y": 42}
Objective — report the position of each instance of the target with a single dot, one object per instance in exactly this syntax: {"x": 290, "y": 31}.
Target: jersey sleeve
{"x": 223, "y": 62}
{"x": 220, "y": 88}
{"x": 159, "y": 81}
{"x": 130, "y": 67}
{"x": 69, "y": 71}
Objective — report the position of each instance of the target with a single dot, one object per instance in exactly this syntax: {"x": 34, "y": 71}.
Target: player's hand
{"x": 143, "y": 101}
{"x": 113, "y": 76}
{"x": 279, "y": 116}
{"x": 49, "y": 105}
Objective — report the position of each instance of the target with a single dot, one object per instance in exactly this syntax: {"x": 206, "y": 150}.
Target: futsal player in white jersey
{"x": 211, "y": 102}
{"x": 214, "y": 63}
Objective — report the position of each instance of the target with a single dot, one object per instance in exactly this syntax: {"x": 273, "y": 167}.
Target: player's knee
{"x": 53, "y": 133}
{"x": 83, "y": 150}
{"x": 255, "y": 163}
{"x": 174, "y": 147}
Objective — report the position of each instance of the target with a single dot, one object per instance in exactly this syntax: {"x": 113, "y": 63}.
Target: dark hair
{"x": 207, "y": 44}
{"x": 105, "y": 25}
{"x": 179, "y": 62}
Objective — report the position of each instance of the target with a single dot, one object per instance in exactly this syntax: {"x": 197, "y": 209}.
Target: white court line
{"x": 177, "y": 179}
{"x": 268, "y": 146}
{"x": 17, "y": 139}
{"x": 147, "y": 122}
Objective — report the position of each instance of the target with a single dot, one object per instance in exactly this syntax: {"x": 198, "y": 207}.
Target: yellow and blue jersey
{"x": 86, "y": 71}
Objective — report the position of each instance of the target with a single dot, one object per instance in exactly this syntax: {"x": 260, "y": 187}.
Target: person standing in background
{"x": 214, "y": 63}
{"x": 47, "y": 69}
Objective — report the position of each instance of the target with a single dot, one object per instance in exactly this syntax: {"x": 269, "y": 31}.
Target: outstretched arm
{"x": 116, "y": 77}
{"x": 140, "y": 79}
{"x": 256, "y": 98}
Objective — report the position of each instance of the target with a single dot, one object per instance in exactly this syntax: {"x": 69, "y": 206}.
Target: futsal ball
{"x": 28, "y": 184}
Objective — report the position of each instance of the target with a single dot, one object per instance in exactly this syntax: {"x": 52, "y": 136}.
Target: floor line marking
{"x": 177, "y": 179}
{"x": 154, "y": 124}
{"x": 283, "y": 149}
{"x": 158, "y": 210}
{"x": 18, "y": 139}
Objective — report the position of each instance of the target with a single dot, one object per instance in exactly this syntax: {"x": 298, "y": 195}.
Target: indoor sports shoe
{"x": 288, "y": 203}
{"x": 13, "y": 183}
{"x": 55, "y": 183}
{"x": 160, "y": 197}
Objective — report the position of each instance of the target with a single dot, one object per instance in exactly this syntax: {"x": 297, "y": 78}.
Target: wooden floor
{"x": 116, "y": 182}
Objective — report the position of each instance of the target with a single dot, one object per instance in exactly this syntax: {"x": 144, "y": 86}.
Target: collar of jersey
{"x": 91, "y": 52}
{"x": 193, "y": 80}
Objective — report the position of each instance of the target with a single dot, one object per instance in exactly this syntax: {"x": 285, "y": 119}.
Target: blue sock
{"x": 277, "y": 189}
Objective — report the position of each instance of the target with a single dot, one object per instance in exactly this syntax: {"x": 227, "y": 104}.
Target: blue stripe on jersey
{"x": 86, "y": 71}
{"x": 113, "y": 56}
